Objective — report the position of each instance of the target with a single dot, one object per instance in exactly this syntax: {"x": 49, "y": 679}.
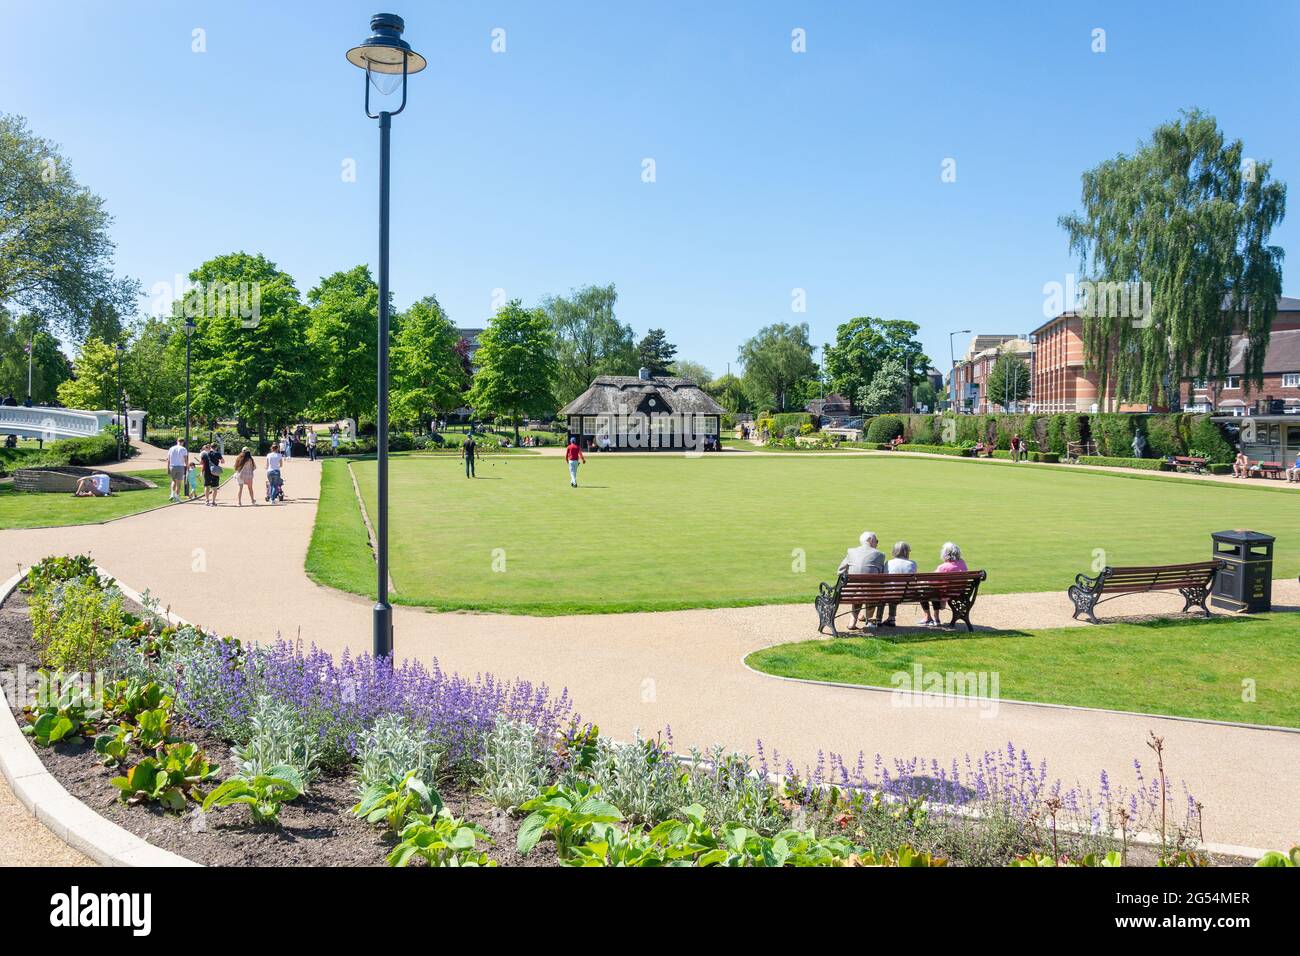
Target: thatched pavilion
{"x": 644, "y": 412}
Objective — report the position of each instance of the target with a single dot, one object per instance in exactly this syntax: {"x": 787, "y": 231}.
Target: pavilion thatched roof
{"x": 625, "y": 395}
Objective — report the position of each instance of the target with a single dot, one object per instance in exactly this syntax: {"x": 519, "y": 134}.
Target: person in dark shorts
{"x": 210, "y": 462}
{"x": 467, "y": 451}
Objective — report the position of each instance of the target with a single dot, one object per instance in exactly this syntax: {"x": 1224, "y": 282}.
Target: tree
{"x": 1009, "y": 380}
{"x": 428, "y": 374}
{"x": 863, "y": 344}
{"x": 590, "y": 341}
{"x": 516, "y": 365}
{"x": 729, "y": 392}
{"x": 1182, "y": 225}
{"x": 50, "y": 367}
{"x": 693, "y": 371}
{"x": 94, "y": 378}
{"x": 655, "y": 352}
{"x": 887, "y": 390}
{"x": 257, "y": 366}
{"x": 153, "y": 368}
{"x": 56, "y": 257}
{"x": 343, "y": 332}
{"x": 925, "y": 396}
{"x": 778, "y": 362}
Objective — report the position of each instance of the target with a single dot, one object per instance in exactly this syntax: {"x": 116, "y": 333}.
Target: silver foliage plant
{"x": 278, "y": 737}
{"x": 391, "y": 749}
{"x": 516, "y": 764}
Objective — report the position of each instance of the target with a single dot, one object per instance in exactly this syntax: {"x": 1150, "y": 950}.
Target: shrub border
{"x": 59, "y": 811}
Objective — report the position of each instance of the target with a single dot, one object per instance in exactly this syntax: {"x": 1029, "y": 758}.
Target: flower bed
{"x": 357, "y": 761}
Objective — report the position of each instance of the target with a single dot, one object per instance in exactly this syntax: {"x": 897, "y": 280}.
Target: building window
{"x": 1291, "y": 380}
{"x": 1232, "y": 382}
{"x": 589, "y": 425}
{"x": 1198, "y": 384}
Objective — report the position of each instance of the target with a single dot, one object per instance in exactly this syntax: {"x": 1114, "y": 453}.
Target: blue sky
{"x": 522, "y": 170}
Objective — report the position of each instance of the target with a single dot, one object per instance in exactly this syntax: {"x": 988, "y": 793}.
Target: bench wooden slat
{"x": 958, "y": 588}
{"x": 1193, "y": 581}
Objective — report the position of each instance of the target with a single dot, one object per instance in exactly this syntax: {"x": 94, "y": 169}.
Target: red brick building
{"x": 970, "y": 373}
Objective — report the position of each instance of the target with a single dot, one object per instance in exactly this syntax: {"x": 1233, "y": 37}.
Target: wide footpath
{"x": 240, "y": 571}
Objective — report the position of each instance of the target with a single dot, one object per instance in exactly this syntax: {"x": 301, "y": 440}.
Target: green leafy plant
{"x": 439, "y": 839}
{"x": 74, "y": 622}
{"x": 153, "y": 729}
{"x": 390, "y": 805}
{"x": 568, "y": 815}
{"x": 279, "y": 738}
{"x": 1113, "y": 858}
{"x": 1278, "y": 858}
{"x": 169, "y": 779}
{"x": 514, "y": 764}
{"x": 116, "y": 745}
{"x": 264, "y": 794}
{"x": 126, "y": 699}
{"x": 64, "y": 710}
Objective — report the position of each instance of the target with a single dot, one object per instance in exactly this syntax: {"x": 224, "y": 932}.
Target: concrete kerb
{"x": 63, "y": 814}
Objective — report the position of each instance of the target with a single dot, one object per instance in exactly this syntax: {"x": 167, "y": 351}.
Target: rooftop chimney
{"x": 644, "y": 374}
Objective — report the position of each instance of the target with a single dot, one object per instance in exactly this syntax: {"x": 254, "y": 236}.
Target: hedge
{"x": 783, "y": 420}
{"x": 884, "y": 428}
{"x": 91, "y": 450}
{"x": 1144, "y": 464}
{"x": 939, "y": 450}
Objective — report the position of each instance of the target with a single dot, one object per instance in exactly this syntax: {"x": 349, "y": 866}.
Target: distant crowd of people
{"x": 189, "y": 473}
{"x": 867, "y": 558}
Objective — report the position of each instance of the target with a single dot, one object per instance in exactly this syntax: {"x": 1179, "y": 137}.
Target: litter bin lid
{"x": 1241, "y": 535}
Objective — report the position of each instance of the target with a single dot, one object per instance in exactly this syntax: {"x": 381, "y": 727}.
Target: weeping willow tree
{"x": 1174, "y": 242}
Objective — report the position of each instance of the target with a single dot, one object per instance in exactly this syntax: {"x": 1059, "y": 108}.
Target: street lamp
{"x": 121, "y": 421}
{"x": 190, "y": 326}
{"x": 952, "y": 365}
{"x": 384, "y": 53}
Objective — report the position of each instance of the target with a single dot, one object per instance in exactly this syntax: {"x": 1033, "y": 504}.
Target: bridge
{"x": 52, "y": 424}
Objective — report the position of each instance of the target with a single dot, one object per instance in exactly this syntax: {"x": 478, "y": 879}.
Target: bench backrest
{"x": 1164, "y": 578}
{"x": 906, "y": 588}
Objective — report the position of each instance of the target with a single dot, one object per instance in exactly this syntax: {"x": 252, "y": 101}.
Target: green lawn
{"x": 647, "y": 532}
{"x": 20, "y": 509}
{"x": 1186, "y": 668}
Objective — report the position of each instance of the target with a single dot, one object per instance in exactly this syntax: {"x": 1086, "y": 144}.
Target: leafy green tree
{"x": 153, "y": 368}
{"x": 260, "y": 367}
{"x": 729, "y": 392}
{"x": 428, "y": 374}
{"x": 50, "y": 367}
{"x": 343, "y": 332}
{"x": 887, "y": 390}
{"x": 924, "y": 395}
{"x": 863, "y": 344}
{"x": 1009, "y": 380}
{"x": 778, "y": 365}
{"x": 105, "y": 323}
{"x": 516, "y": 365}
{"x": 56, "y": 257}
{"x": 655, "y": 352}
{"x": 590, "y": 341}
{"x": 693, "y": 371}
{"x": 94, "y": 378}
{"x": 1186, "y": 220}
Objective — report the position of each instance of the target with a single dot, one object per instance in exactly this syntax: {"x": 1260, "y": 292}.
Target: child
{"x": 192, "y": 480}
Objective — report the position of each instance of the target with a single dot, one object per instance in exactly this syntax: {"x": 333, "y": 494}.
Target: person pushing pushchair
{"x": 274, "y": 475}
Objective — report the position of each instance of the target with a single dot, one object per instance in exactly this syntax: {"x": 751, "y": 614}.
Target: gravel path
{"x": 240, "y": 570}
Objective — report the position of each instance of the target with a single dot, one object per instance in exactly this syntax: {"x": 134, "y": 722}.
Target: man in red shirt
{"x": 573, "y": 454}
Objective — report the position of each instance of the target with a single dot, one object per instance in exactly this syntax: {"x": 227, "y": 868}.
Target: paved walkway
{"x": 240, "y": 570}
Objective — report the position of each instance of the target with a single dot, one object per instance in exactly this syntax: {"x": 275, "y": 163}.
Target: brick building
{"x": 969, "y": 378}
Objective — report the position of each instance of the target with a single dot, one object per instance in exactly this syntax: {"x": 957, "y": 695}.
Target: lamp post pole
{"x": 384, "y": 52}
{"x": 121, "y": 413}
{"x": 952, "y": 365}
{"x": 189, "y": 334}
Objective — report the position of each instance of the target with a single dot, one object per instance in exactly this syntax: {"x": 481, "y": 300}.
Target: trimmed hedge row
{"x": 1145, "y": 464}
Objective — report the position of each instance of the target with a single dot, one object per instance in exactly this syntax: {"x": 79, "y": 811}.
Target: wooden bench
{"x": 1192, "y": 581}
{"x": 1189, "y": 463}
{"x": 1270, "y": 469}
{"x": 958, "y": 588}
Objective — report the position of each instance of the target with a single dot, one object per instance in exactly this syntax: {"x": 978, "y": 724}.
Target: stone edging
{"x": 63, "y": 814}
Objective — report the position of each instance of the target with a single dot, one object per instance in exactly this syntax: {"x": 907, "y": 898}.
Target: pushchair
{"x": 274, "y": 486}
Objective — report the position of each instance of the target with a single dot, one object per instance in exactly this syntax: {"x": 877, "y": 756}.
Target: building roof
{"x": 1283, "y": 353}
{"x": 1285, "y": 303}
{"x": 624, "y": 395}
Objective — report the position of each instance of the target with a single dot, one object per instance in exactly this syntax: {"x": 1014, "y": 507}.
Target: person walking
{"x": 334, "y": 440}
{"x": 467, "y": 451}
{"x": 311, "y": 444}
{"x": 210, "y": 462}
{"x": 178, "y": 457}
{"x": 274, "y": 462}
{"x": 244, "y": 468}
{"x": 573, "y": 455}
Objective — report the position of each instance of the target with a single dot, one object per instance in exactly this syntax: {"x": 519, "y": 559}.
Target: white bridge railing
{"x": 51, "y": 424}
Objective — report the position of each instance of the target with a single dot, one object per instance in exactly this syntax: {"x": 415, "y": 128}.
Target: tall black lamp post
{"x": 384, "y": 53}
{"x": 952, "y": 364}
{"x": 121, "y": 411}
{"x": 190, "y": 326}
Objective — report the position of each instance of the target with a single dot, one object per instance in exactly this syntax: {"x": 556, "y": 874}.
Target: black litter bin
{"x": 1245, "y": 582}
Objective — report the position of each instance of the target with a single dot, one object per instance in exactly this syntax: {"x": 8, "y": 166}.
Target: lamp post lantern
{"x": 384, "y": 54}
{"x": 190, "y": 326}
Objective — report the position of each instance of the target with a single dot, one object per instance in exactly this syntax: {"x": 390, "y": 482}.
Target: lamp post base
{"x": 382, "y": 644}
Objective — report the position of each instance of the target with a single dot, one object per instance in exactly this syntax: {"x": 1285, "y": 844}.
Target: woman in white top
{"x": 901, "y": 563}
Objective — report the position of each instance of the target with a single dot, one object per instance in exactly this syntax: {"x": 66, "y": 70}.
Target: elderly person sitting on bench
{"x": 865, "y": 559}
